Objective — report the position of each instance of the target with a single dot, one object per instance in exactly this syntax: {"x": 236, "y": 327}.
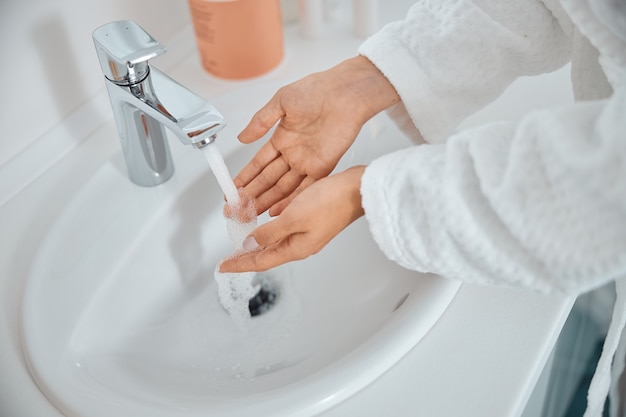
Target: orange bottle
{"x": 238, "y": 39}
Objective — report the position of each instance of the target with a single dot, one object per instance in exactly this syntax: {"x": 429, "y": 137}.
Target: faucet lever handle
{"x": 124, "y": 49}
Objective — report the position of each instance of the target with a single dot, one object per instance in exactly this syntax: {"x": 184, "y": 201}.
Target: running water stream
{"x": 220, "y": 170}
{"x": 235, "y": 289}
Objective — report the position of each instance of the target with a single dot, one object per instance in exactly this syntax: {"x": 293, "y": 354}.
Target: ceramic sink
{"x": 121, "y": 316}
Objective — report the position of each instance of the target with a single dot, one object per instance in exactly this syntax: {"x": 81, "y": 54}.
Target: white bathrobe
{"x": 540, "y": 204}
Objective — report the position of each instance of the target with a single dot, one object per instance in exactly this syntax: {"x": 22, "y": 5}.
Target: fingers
{"x": 266, "y": 257}
{"x": 259, "y": 125}
{"x": 309, "y": 222}
{"x": 248, "y": 262}
{"x": 268, "y": 177}
{"x": 266, "y": 244}
{"x": 277, "y": 208}
{"x": 258, "y": 261}
{"x": 269, "y": 184}
{"x": 266, "y": 155}
{"x": 244, "y": 211}
{"x": 287, "y": 184}
{"x": 272, "y": 232}
{"x": 263, "y": 120}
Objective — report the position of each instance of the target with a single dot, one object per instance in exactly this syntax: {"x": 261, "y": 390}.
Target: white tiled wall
{"x": 48, "y": 66}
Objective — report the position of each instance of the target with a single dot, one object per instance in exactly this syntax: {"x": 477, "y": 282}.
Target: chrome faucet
{"x": 145, "y": 100}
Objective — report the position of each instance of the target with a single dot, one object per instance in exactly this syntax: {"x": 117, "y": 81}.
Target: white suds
{"x": 235, "y": 289}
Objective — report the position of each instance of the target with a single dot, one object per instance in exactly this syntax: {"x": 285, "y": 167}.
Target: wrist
{"x": 353, "y": 180}
{"x": 369, "y": 91}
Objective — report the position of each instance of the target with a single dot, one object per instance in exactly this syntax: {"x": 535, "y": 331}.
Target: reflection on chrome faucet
{"x": 145, "y": 100}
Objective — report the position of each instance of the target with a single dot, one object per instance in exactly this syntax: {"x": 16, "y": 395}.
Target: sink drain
{"x": 266, "y": 298}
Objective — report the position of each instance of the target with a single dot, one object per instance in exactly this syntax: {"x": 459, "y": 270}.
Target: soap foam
{"x": 241, "y": 219}
{"x": 235, "y": 290}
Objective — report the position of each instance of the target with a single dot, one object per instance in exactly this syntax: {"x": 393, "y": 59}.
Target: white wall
{"x": 48, "y": 66}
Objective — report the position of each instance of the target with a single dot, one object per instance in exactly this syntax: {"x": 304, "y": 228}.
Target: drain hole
{"x": 265, "y": 299}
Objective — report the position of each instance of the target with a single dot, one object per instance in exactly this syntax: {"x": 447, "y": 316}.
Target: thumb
{"x": 266, "y": 235}
{"x": 262, "y": 121}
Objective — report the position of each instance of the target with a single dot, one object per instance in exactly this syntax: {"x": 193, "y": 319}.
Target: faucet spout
{"x": 145, "y": 101}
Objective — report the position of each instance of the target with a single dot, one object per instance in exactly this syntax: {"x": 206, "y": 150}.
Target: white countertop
{"x": 482, "y": 358}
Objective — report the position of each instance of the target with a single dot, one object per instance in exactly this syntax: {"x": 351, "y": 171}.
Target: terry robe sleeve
{"x": 540, "y": 204}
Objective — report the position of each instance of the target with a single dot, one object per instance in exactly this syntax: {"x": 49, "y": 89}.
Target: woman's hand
{"x": 312, "y": 220}
{"x": 320, "y": 117}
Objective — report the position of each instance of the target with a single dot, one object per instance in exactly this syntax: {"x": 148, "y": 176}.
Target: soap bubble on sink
{"x": 235, "y": 291}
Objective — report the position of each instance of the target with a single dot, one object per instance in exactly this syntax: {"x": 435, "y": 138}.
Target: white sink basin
{"x": 121, "y": 315}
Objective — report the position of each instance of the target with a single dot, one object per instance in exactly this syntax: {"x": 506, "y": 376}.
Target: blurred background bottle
{"x": 238, "y": 39}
